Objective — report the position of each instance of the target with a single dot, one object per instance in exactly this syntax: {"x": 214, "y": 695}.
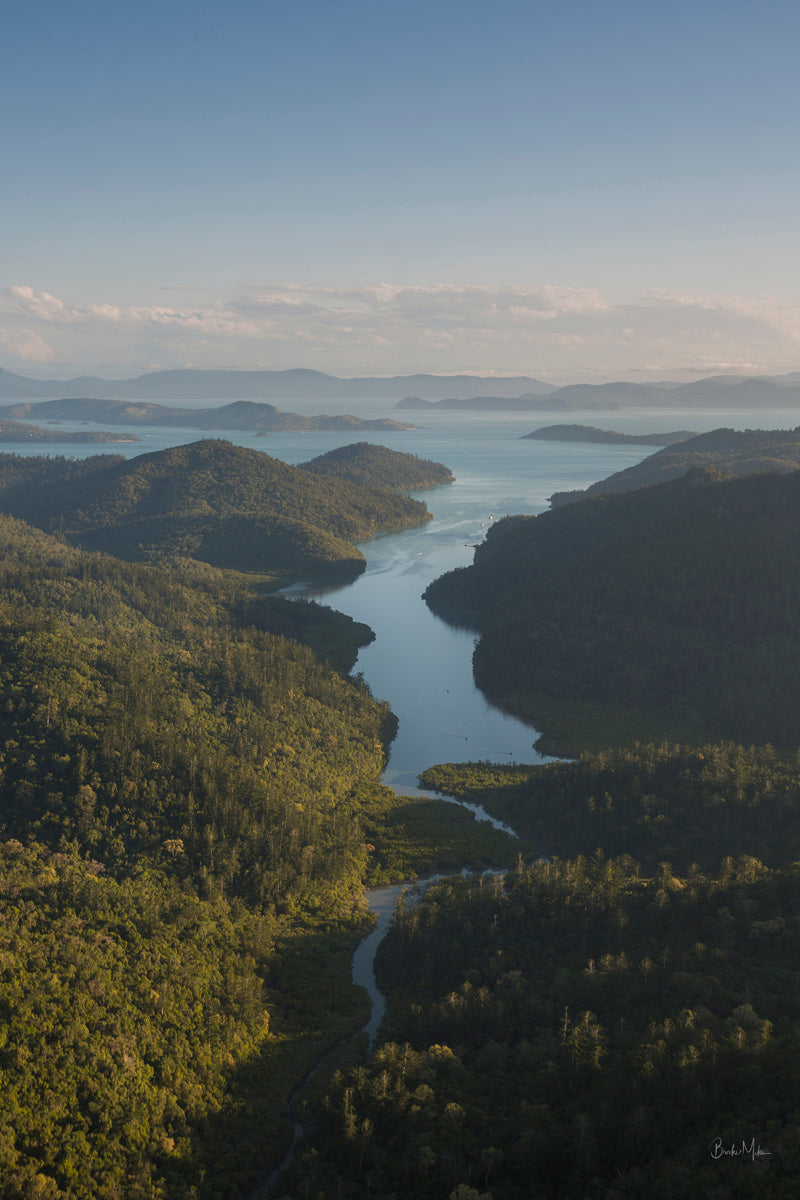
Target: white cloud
{"x": 26, "y": 345}
{"x": 384, "y": 328}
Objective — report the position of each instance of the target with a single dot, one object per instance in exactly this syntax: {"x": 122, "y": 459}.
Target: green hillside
{"x": 379, "y": 467}
{"x": 188, "y": 815}
{"x": 681, "y": 599}
{"x": 736, "y": 452}
{"x": 209, "y": 500}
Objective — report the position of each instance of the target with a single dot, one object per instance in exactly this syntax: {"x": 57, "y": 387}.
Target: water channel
{"x": 423, "y": 665}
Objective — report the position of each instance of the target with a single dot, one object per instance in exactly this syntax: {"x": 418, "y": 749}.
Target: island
{"x": 19, "y": 431}
{"x": 244, "y": 415}
{"x": 588, "y": 433}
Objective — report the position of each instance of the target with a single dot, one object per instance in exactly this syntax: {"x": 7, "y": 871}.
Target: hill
{"x": 682, "y": 598}
{"x": 379, "y": 467}
{"x": 733, "y": 451}
{"x": 588, "y": 433}
{"x": 188, "y": 816}
{"x": 208, "y": 500}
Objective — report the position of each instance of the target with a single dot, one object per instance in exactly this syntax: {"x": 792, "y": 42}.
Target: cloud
{"x": 26, "y": 345}
{"x": 33, "y": 304}
{"x": 557, "y": 332}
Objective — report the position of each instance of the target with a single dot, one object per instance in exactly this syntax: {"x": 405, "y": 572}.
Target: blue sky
{"x": 574, "y": 191}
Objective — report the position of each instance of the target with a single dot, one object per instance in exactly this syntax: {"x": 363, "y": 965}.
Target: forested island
{"x": 590, "y": 433}
{"x": 736, "y": 452}
{"x": 210, "y": 501}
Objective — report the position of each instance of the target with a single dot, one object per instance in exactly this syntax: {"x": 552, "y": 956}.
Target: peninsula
{"x": 210, "y": 500}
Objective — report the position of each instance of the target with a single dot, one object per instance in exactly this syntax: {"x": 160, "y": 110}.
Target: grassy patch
{"x": 413, "y": 836}
{"x": 568, "y": 727}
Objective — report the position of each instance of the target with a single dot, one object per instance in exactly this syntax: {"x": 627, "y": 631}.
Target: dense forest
{"x": 579, "y": 1029}
{"x": 732, "y": 451}
{"x": 619, "y": 1018}
{"x": 680, "y": 598}
{"x": 379, "y": 467}
{"x": 210, "y": 500}
{"x": 189, "y": 815}
{"x": 190, "y": 812}
{"x": 616, "y": 1020}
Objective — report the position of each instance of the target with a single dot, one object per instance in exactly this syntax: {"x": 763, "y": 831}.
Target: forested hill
{"x": 210, "y": 500}
{"x": 173, "y": 781}
{"x": 737, "y": 452}
{"x": 379, "y": 467}
{"x": 684, "y": 597}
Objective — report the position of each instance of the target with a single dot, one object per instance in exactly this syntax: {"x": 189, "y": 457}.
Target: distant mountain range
{"x": 465, "y": 392}
{"x": 719, "y": 391}
{"x": 295, "y": 385}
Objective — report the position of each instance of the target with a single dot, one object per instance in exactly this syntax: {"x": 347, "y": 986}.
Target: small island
{"x": 19, "y": 431}
{"x": 589, "y": 433}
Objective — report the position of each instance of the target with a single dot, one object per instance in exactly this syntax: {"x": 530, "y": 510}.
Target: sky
{"x": 577, "y": 191}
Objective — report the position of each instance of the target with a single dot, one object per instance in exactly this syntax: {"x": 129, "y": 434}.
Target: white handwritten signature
{"x": 749, "y": 1149}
